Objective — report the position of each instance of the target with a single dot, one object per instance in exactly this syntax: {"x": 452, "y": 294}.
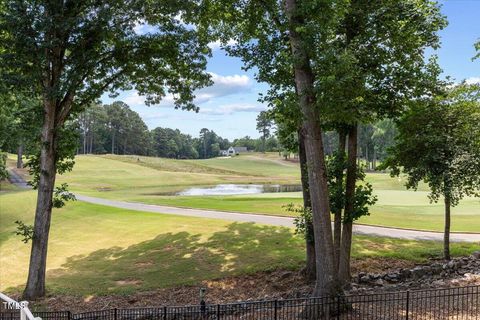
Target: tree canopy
{"x": 331, "y": 64}
{"x": 68, "y": 53}
{"x": 438, "y": 143}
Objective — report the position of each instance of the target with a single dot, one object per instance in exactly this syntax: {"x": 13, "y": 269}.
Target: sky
{"x": 230, "y": 106}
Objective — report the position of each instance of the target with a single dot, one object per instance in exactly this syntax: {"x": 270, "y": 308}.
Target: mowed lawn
{"x": 101, "y": 250}
{"x": 123, "y": 177}
{"x": 154, "y": 180}
{"x": 401, "y": 209}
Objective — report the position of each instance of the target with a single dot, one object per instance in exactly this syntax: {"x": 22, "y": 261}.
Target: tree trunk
{"x": 113, "y": 142}
{"x": 91, "y": 143}
{"x": 337, "y": 225}
{"x": 84, "y": 142}
{"x": 327, "y": 281}
{"x": 367, "y": 159}
{"x": 344, "y": 267}
{"x": 35, "y": 287}
{"x": 446, "y": 235}
{"x": 310, "y": 268}
{"x": 20, "y": 156}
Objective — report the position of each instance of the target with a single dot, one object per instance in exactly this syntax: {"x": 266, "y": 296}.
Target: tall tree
{"x": 288, "y": 122}
{"x": 304, "y": 77}
{"x": 5, "y": 118}
{"x": 204, "y": 140}
{"x": 438, "y": 142}
{"x": 71, "y": 52}
{"x": 383, "y": 137}
{"x": 356, "y": 62}
{"x": 94, "y": 126}
{"x": 264, "y": 123}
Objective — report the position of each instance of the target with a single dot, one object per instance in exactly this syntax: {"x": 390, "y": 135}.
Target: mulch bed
{"x": 278, "y": 284}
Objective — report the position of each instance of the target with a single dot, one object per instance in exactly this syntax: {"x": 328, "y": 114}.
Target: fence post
{"x": 115, "y": 314}
{"x": 165, "y": 313}
{"x": 69, "y": 315}
{"x": 23, "y": 315}
{"x": 218, "y": 311}
{"x": 203, "y": 308}
{"x": 408, "y": 305}
{"x": 276, "y": 309}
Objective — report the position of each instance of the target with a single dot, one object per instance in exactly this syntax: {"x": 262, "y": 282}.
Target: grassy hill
{"x": 154, "y": 180}
{"x": 126, "y": 176}
{"x": 150, "y": 180}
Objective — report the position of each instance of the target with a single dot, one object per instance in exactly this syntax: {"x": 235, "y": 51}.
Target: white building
{"x": 233, "y": 151}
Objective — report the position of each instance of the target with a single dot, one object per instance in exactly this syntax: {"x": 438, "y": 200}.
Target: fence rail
{"x": 436, "y": 304}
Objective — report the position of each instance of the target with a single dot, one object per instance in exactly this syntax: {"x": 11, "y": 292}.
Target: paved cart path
{"x": 258, "y": 218}
{"x": 16, "y": 179}
{"x": 277, "y": 221}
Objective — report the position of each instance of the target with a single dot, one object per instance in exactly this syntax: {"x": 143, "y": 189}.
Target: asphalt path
{"x": 260, "y": 219}
{"x": 278, "y": 221}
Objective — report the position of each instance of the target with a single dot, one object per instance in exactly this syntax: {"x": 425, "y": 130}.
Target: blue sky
{"x": 230, "y": 106}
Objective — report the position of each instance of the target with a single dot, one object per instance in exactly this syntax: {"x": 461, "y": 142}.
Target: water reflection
{"x": 239, "y": 189}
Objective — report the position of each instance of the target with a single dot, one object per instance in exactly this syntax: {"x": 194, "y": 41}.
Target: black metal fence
{"x": 436, "y": 304}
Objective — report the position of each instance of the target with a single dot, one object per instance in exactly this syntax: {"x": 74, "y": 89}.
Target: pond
{"x": 239, "y": 189}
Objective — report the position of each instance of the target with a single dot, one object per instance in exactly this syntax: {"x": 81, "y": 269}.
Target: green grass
{"x": 96, "y": 248}
{"x": 101, "y": 250}
{"x": 401, "y": 209}
{"x": 147, "y": 180}
{"x": 6, "y": 186}
{"x": 121, "y": 177}
{"x": 254, "y": 164}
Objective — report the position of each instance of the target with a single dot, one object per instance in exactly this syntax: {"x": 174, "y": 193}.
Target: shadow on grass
{"x": 402, "y": 249}
{"x": 180, "y": 258}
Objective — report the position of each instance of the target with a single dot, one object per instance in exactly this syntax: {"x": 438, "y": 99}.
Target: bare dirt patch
{"x": 380, "y": 265}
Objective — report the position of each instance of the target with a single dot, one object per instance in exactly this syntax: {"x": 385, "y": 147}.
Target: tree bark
{"x": 344, "y": 267}
{"x": 327, "y": 281}
{"x": 337, "y": 225}
{"x": 84, "y": 142}
{"x": 91, "y": 143}
{"x": 113, "y": 142}
{"x": 446, "y": 235}
{"x": 35, "y": 287}
{"x": 20, "y": 156}
{"x": 367, "y": 159}
{"x": 310, "y": 268}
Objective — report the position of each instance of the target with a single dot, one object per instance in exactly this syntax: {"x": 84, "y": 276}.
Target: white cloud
{"x": 133, "y": 99}
{"x": 232, "y": 108}
{"x": 156, "y": 116}
{"x": 217, "y": 44}
{"x": 222, "y": 86}
{"x": 473, "y": 80}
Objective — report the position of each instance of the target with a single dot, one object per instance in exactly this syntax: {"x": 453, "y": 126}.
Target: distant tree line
{"x": 117, "y": 129}
{"x": 374, "y": 140}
